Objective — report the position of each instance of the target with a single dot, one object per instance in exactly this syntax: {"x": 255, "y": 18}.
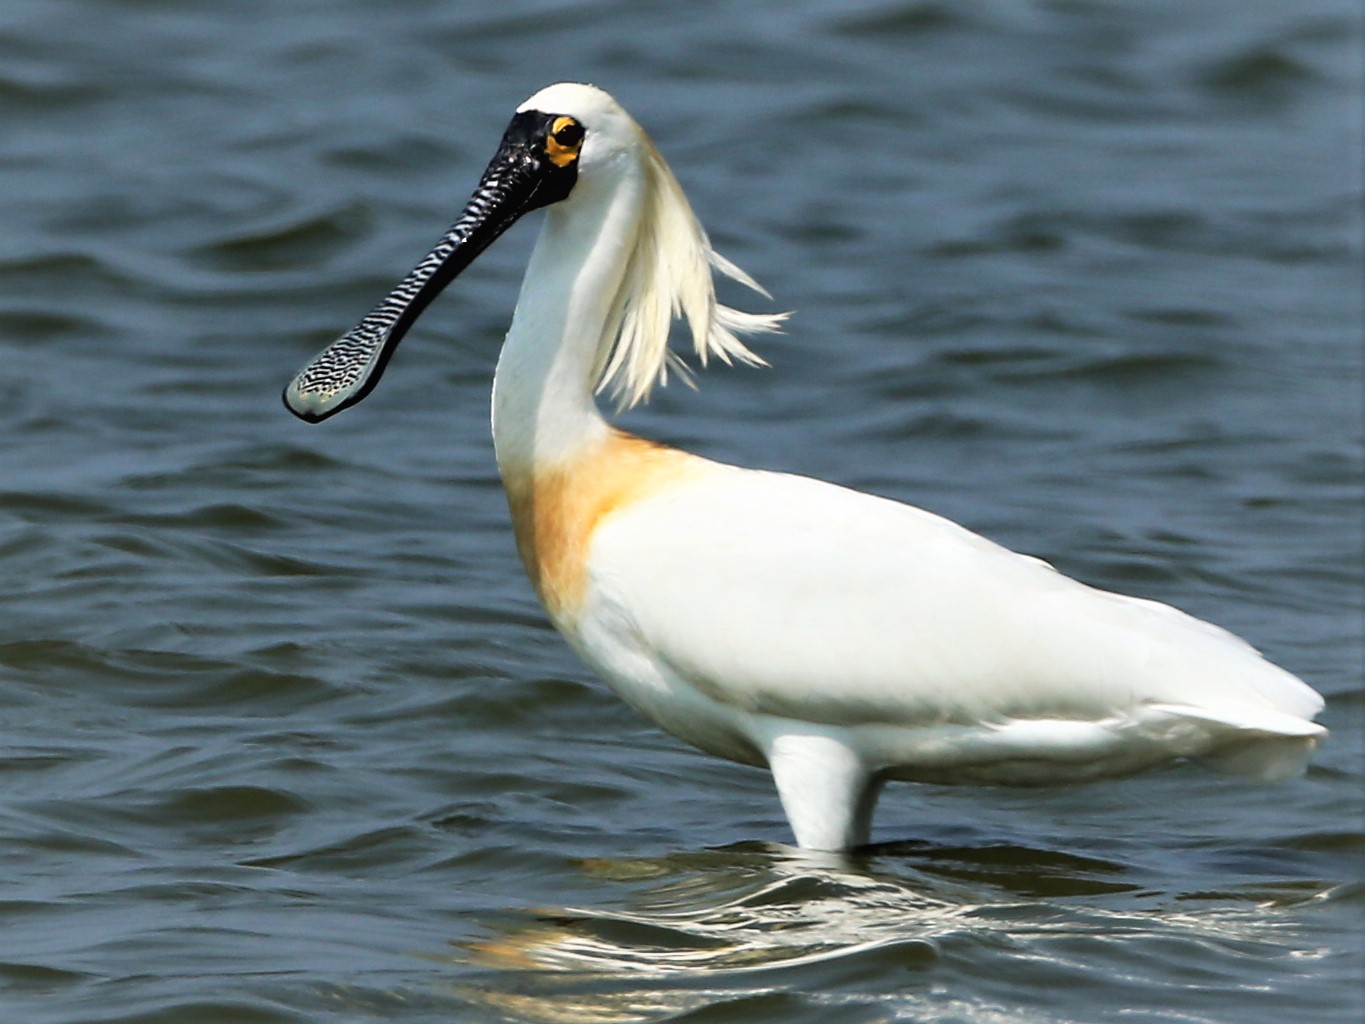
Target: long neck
{"x": 543, "y": 407}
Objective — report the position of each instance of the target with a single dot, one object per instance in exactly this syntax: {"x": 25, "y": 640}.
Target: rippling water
{"x": 284, "y": 736}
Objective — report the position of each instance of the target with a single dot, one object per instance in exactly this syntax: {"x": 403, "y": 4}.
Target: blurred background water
{"x": 284, "y": 736}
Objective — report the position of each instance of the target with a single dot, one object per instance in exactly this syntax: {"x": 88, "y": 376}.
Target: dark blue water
{"x": 284, "y": 736}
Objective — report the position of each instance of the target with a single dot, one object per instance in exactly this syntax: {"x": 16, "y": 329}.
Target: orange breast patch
{"x": 556, "y": 510}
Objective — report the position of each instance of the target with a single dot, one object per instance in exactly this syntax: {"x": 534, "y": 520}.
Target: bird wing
{"x": 787, "y": 596}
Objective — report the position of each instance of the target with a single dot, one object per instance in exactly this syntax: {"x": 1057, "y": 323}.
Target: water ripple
{"x": 738, "y": 920}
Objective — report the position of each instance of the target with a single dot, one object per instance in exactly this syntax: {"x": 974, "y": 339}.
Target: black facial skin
{"x": 524, "y": 154}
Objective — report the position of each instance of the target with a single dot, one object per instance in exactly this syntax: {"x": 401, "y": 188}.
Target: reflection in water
{"x": 753, "y": 924}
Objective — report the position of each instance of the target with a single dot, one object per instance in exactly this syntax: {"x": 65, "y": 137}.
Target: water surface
{"x": 284, "y": 735}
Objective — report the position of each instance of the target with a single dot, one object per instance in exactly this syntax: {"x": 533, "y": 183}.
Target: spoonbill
{"x": 836, "y": 638}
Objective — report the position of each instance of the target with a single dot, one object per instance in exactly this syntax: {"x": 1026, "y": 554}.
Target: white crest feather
{"x": 668, "y": 274}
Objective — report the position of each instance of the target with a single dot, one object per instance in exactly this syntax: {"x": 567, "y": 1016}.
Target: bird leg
{"x": 826, "y": 790}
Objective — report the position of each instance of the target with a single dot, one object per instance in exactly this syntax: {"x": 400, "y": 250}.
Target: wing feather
{"x": 786, "y": 596}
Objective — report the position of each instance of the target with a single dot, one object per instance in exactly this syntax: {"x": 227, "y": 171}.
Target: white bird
{"x": 836, "y": 638}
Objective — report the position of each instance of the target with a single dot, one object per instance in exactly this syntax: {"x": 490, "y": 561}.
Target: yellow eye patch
{"x": 563, "y": 141}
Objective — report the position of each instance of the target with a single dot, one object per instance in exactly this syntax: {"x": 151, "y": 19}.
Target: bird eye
{"x": 567, "y": 132}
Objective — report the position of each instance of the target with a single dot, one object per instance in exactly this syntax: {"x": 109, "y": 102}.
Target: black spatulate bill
{"x": 520, "y": 178}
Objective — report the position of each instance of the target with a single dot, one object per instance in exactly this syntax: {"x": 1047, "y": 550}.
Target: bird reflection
{"x": 723, "y": 923}
{"x": 761, "y": 911}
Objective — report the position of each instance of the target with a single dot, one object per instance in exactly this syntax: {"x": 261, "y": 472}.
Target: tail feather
{"x": 1257, "y": 742}
{"x": 1267, "y": 759}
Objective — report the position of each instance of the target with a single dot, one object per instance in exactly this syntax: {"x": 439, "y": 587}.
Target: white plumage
{"x": 837, "y": 638}
{"x": 900, "y": 645}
